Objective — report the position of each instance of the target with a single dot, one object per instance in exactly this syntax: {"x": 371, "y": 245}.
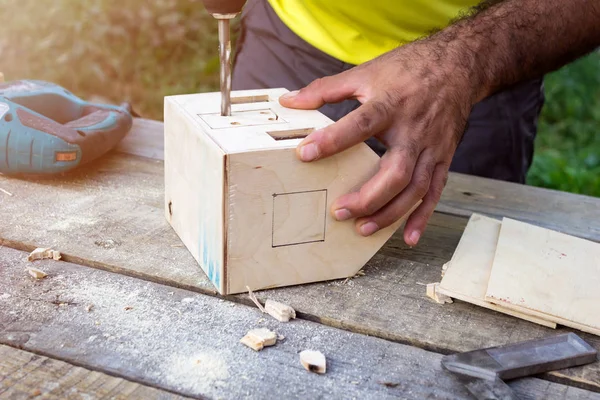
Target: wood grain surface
{"x": 551, "y": 209}
{"x": 109, "y": 216}
{"x": 25, "y": 375}
{"x": 189, "y": 343}
{"x": 546, "y": 274}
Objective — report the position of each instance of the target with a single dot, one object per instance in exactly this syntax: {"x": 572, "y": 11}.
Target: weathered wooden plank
{"x": 145, "y": 139}
{"x": 561, "y": 211}
{"x": 110, "y": 216}
{"x": 390, "y": 302}
{"x": 189, "y": 343}
{"x": 28, "y": 375}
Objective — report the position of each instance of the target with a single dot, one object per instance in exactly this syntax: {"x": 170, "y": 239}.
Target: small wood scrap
{"x": 6, "y": 192}
{"x": 44, "y": 253}
{"x": 89, "y": 307}
{"x": 259, "y": 338}
{"x": 313, "y": 361}
{"x": 444, "y": 268}
{"x": 37, "y": 273}
{"x": 279, "y": 311}
{"x": 432, "y": 292}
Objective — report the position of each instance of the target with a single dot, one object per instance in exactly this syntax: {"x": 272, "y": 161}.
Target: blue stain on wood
{"x": 210, "y": 264}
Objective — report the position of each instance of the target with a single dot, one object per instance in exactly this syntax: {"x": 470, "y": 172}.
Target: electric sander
{"x": 47, "y": 130}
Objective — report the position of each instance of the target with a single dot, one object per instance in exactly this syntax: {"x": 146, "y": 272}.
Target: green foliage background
{"x": 140, "y": 51}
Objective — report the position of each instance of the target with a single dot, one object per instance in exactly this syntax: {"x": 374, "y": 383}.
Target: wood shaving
{"x": 6, "y": 192}
{"x": 89, "y": 307}
{"x": 127, "y": 308}
{"x": 444, "y": 269}
{"x": 313, "y": 361}
{"x": 259, "y": 338}
{"x": 37, "y": 273}
{"x": 44, "y": 253}
{"x": 433, "y": 293}
{"x": 255, "y": 300}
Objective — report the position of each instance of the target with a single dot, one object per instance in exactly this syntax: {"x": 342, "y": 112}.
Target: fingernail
{"x": 414, "y": 237}
{"x": 342, "y": 214}
{"x": 309, "y": 152}
{"x": 290, "y": 94}
{"x": 369, "y": 228}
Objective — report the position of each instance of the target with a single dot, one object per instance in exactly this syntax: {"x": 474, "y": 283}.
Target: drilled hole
{"x": 250, "y": 99}
{"x": 291, "y": 133}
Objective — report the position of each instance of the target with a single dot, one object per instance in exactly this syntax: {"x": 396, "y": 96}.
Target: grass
{"x": 567, "y": 154}
{"x": 140, "y": 51}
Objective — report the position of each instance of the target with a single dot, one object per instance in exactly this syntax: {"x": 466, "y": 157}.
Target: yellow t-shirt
{"x": 355, "y": 31}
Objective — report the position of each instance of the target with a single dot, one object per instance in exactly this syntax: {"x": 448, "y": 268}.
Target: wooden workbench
{"x": 127, "y": 312}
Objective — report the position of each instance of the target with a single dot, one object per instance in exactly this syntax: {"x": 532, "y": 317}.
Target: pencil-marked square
{"x": 299, "y": 217}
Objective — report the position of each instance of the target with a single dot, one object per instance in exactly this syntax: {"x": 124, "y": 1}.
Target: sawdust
{"x": 72, "y": 222}
{"x": 199, "y": 372}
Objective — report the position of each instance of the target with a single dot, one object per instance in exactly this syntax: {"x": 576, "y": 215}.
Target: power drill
{"x": 224, "y": 11}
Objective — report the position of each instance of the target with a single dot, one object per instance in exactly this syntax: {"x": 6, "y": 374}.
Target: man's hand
{"x": 417, "y": 108}
{"x": 417, "y": 98}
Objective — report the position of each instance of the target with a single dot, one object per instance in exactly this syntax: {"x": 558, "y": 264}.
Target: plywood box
{"x": 249, "y": 211}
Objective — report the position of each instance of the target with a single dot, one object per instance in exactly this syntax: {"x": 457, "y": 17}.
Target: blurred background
{"x": 140, "y": 51}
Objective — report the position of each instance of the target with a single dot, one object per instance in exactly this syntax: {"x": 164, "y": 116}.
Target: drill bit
{"x": 225, "y": 61}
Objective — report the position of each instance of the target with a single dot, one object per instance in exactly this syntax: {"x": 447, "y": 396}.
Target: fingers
{"x": 330, "y": 89}
{"x": 416, "y": 223}
{"x": 400, "y": 205}
{"x": 367, "y": 120}
{"x": 394, "y": 175}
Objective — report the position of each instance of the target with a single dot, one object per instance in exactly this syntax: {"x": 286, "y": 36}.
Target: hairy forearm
{"x": 507, "y": 41}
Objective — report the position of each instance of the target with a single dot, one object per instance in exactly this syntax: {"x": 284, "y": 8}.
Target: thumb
{"x": 330, "y": 89}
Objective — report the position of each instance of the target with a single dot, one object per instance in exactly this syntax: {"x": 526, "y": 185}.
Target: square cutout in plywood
{"x": 242, "y": 118}
{"x": 299, "y": 217}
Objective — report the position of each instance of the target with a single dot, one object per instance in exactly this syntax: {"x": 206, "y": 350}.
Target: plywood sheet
{"x": 468, "y": 271}
{"x": 547, "y": 273}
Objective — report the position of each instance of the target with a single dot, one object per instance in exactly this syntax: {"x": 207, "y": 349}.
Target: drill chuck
{"x": 224, "y": 7}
